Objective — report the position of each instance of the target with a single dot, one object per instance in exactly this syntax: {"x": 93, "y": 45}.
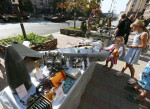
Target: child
{"x": 144, "y": 83}
{"x": 116, "y": 50}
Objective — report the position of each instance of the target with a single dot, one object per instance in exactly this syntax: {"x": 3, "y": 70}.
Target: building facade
{"x": 42, "y": 6}
{"x": 41, "y": 3}
{"x": 136, "y": 7}
{"x": 147, "y": 11}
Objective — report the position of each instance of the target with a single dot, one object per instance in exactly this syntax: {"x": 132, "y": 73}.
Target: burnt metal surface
{"x": 16, "y": 70}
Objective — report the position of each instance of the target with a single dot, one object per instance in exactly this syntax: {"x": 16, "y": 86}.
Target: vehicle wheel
{"x": 2, "y": 21}
{"x": 68, "y": 33}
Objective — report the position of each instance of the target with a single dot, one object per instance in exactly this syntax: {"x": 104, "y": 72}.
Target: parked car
{"x": 56, "y": 18}
{"x": 69, "y": 17}
{"x": 82, "y": 18}
{"x": 1, "y": 19}
{"x": 13, "y": 17}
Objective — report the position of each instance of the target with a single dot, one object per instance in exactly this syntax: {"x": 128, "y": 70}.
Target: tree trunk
{"x": 21, "y": 22}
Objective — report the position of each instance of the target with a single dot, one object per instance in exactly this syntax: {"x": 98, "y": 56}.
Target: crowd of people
{"x": 125, "y": 26}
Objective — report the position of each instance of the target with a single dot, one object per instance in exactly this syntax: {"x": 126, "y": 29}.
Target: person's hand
{"x": 111, "y": 56}
{"x": 128, "y": 46}
{"x": 114, "y": 35}
{"x": 102, "y": 48}
{"x": 117, "y": 56}
{"x": 131, "y": 46}
{"x": 134, "y": 46}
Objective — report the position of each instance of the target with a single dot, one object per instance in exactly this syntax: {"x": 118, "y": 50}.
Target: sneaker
{"x": 132, "y": 89}
{"x": 119, "y": 74}
{"x": 131, "y": 81}
{"x": 105, "y": 66}
{"x": 134, "y": 99}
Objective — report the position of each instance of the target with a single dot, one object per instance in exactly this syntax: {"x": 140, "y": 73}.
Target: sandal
{"x": 131, "y": 81}
{"x": 132, "y": 89}
{"x": 105, "y": 66}
{"x": 119, "y": 74}
{"x": 134, "y": 99}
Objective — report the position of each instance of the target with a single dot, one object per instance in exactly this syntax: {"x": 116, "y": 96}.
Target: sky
{"x": 119, "y": 5}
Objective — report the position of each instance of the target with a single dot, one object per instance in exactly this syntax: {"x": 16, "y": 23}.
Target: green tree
{"x": 84, "y": 5}
{"x": 5, "y": 6}
{"x": 54, "y": 4}
{"x": 25, "y": 6}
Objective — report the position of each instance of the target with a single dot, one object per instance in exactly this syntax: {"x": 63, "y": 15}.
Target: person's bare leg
{"x": 143, "y": 95}
{"x": 137, "y": 87}
{"x": 110, "y": 67}
{"x": 131, "y": 70}
{"x": 124, "y": 68}
{"x": 106, "y": 64}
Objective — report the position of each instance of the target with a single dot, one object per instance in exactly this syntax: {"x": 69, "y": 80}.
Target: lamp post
{"x": 16, "y": 3}
{"x": 111, "y": 7}
{"x": 75, "y": 14}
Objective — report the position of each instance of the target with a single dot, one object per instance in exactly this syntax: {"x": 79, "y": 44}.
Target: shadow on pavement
{"x": 106, "y": 91}
{"x": 145, "y": 57}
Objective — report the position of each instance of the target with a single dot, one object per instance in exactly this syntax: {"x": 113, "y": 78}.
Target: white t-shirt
{"x": 120, "y": 49}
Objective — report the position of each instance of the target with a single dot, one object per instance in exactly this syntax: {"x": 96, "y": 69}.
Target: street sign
{"x": 14, "y": 2}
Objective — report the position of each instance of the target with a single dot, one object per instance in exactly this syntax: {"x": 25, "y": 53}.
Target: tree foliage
{"x": 25, "y": 6}
{"x": 85, "y": 6}
{"x": 5, "y": 6}
{"x": 54, "y": 4}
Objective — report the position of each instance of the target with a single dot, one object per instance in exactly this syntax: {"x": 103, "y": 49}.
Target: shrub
{"x": 95, "y": 35}
{"x": 35, "y": 39}
{"x": 93, "y": 26}
{"x": 72, "y": 28}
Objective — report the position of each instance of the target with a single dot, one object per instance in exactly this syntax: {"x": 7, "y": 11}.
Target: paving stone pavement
{"x": 104, "y": 90}
{"x": 66, "y": 41}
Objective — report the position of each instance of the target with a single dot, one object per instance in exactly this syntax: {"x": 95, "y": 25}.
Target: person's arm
{"x": 121, "y": 23}
{"x": 108, "y": 48}
{"x": 117, "y": 29}
{"x": 143, "y": 38}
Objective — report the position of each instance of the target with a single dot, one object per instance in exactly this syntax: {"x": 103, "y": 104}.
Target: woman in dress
{"x": 134, "y": 51}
